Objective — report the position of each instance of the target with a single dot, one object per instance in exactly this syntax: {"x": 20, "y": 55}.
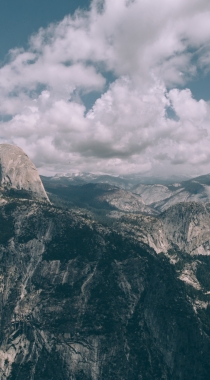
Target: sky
{"x": 116, "y": 87}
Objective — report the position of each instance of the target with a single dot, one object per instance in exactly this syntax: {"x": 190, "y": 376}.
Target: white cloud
{"x": 152, "y": 48}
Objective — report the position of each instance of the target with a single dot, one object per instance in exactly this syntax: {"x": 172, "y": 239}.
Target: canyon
{"x": 123, "y": 296}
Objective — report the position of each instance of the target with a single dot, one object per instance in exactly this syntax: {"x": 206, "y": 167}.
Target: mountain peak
{"x": 18, "y": 175}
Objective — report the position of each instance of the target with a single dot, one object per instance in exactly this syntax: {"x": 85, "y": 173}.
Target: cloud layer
{"x": 142, "y": 121}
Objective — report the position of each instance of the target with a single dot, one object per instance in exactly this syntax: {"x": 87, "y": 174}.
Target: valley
{"x": 99, "y": 282}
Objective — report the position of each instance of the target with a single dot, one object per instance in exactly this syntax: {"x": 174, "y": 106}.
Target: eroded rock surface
{"x": 18, "y": 175}
{"x": 83, "y": 301}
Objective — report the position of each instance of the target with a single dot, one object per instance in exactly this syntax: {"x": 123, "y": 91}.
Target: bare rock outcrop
{"x": 80, "y": 301}
{"x": 18, "y": 175}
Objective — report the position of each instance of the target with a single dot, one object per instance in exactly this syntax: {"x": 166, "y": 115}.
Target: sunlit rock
{"x": 18, "y": 175}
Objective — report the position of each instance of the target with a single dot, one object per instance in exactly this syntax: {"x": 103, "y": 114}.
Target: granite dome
{"x": 18, "y": 174}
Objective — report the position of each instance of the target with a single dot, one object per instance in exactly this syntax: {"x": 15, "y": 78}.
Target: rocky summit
{"x": 81, "y": 300}
{"x": 18, "y": 175}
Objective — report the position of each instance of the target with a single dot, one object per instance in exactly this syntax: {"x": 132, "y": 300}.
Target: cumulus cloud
{"x": 150, "y": 48}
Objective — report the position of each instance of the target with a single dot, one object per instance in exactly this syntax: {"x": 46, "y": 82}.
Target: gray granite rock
{"x": 80, "y": 301}
{"x": 18, "y": 174}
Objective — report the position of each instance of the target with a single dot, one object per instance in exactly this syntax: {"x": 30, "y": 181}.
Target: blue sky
{"x": 21, "y": 18}
{"x": 112, "y": 87}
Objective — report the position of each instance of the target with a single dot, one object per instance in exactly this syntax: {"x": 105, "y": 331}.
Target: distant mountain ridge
{"x": 127, "y": 298}
{"x": 125, "y": 196}
{"x": 162, "y": 197}
{"x": 126, "y": 182}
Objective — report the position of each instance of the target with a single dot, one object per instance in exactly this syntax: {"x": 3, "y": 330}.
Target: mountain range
{"x": 113, "y": 194}
{"x": 99, "y": 282}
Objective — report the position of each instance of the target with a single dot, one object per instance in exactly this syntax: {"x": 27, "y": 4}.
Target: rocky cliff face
{"x": 184, "y": 226}
{"x": 187, "y": 226}
{"x": 126, "y": 201}
{"x": 18, "y": 175}
{"x": 161, "y": 197}
{"x": 82, "y": 301}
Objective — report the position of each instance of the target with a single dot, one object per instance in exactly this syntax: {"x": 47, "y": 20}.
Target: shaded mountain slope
{"x": 82, "y": 301}
{"x": 184, "y": 226}
{"x": 161, "y": 197}
{"x": 106, "y": 192}
{"x": 96, "y": 197}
